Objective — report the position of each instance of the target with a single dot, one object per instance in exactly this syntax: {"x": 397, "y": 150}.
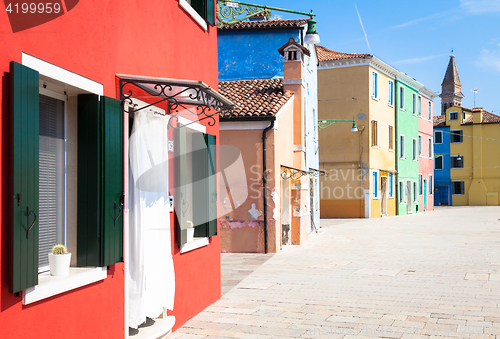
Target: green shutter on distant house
{"x": 24, "y": 110}
{"x": 111, "y": 181}
{"x": 212, "y": 184}
{"x": 180, "y": 199}
{"x": 88, "y": 180}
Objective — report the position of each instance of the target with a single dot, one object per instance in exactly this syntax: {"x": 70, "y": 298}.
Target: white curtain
{"x": 151, "y": 269}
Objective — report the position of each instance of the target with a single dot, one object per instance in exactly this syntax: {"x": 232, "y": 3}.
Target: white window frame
{"x": 438, "y": 143}
{"x": 450, "y": 113}
{"x": 375, "y": 85}
{"x": 463, "y": 183}
{"x": 391, "y": 93}
{"x": 402, "y": 151}
{"x": 420, "y": 184}
{"x": 430, "y": 110}
{"x": 414, "y": 150}
{"x": 452, "y": 136}
{"x": 390, "y": 129}
{"x": 452, "y": 162}
{"x": 401, "y": 190}
{"x": 442, "y": 163}
{"x": 431, "y": 149}
{"x": 48, "y": 285}
{"x": 430, "y": 189}
{"x": 419, "y": 145}
{"x": 402, "y": 98}
{"x": 194, "y": 14}
{"x": 375, "y": 134}
{"x": 415, "y": 192}
{"x": 414, "y": 104}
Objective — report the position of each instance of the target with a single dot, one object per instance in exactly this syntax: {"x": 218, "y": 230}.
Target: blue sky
{"x": 417, "y": 37}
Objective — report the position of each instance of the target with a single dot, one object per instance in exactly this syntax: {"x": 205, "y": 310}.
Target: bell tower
{"x": 451, "y": 88}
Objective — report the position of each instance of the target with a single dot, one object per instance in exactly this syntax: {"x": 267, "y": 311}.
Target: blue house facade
{"x": 442, "y": 174}
{"x": 248, "y": 50}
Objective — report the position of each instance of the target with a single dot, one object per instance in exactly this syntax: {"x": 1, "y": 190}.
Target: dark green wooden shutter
{"x": 199, "y": 159}
{"x": 210, "y": 12}
{"x": 100, "y": 181}
{"x": 462, "y": 187}
{"x": 111, "y": 181}
{"x": 212, "y": 184}
{"x": 88, "y": 180}
{"x": 24, "y": 110}
{"x": 180, "y": 202}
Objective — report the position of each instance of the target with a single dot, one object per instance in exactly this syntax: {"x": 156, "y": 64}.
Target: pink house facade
{"x": 425, "y": 149}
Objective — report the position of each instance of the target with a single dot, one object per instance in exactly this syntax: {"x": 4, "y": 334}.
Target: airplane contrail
{"x": 363, "y": 28}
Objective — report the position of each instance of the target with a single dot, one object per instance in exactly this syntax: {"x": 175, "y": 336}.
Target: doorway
{"x": 408, "y": 195}
{"x": 383, "y": 202}
{"x": 286, "y": 216}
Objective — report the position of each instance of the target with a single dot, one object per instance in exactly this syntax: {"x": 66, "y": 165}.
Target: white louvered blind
{"x": 51, "y": 214}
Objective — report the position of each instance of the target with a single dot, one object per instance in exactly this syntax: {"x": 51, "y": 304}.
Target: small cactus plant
{"x": 59, "y": 249}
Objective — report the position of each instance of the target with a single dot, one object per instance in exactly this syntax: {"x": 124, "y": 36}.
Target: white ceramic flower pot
{"x": 190, "y": 234}
{"x": 59, "y": 264}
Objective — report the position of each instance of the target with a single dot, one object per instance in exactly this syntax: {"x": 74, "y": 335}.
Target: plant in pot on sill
{"x": 190, "y": 231}
{"x": 59, "y": 260}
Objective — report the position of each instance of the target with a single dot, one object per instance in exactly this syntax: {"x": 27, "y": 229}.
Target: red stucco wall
{"x": 98, "y": 39}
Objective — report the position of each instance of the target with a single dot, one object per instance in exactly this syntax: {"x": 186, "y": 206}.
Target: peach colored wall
{"x": 239, "y": 232}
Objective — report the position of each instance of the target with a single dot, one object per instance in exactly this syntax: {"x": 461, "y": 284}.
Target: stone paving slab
{"x": 433, "y": 275}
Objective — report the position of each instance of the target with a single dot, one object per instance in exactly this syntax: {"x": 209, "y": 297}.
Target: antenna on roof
{"x": 475, "y": 90}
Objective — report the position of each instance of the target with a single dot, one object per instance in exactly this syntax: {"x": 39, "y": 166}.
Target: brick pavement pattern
{"x": 431, "y": 275}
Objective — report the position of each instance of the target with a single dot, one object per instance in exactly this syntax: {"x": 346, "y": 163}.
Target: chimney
{"x": 477, "y": 113}
{"x": 294, "y": 81}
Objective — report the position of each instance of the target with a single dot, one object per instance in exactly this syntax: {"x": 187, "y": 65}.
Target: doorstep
{"x": 161, "y": 329}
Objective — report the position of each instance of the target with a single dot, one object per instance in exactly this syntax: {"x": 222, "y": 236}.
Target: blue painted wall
{"x": 247, "y": 55}
{"x": 442, "y": 178}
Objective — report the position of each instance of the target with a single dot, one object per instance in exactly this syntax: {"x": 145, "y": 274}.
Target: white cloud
{"x": 489, "y": 60}
{"x": 480, "y": 6}
{"x": 418, "y": 60}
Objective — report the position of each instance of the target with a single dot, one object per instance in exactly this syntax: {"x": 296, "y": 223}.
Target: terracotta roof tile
{"x": 488, "y": 118}
{"x": 439, "y": 120}
{"x": 254, "y": 98}
{"x": 265, "y": 24}
{"x": 325, "y": 54}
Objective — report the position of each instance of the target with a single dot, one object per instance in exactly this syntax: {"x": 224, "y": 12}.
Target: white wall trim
{"x": 243, "y": 125}
{"x": 199, "y": 20}
{"x": 62, "y": 75}
{"x": 196, "y": 243}
{"x": 49, "y": 286}
{"x": 193, "y": 125}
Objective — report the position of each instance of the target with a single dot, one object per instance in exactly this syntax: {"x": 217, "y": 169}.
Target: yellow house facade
{"x": 475, "y": 156}
{"x": 360, "y": 165}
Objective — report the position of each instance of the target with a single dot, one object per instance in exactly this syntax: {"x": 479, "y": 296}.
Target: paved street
{"x": 430, "y": 275}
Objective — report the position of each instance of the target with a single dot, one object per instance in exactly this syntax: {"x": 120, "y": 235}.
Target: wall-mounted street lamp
{"x": 228, "y": 12}
{"x": 322, "y": 124}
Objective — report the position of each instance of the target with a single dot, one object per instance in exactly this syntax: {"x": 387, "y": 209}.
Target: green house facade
{"x": 407, "y": 144}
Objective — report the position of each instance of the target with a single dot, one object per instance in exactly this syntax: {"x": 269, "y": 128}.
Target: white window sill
{"x": 391, "y": 106}
{"x": 49, "y": 286}
{"x": 196, "y": 243}
{"x": 391, "y": 150}
{"x": 187, "y": 7}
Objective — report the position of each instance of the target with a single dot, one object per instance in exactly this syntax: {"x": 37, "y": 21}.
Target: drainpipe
{"x": 264, "y": 180}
